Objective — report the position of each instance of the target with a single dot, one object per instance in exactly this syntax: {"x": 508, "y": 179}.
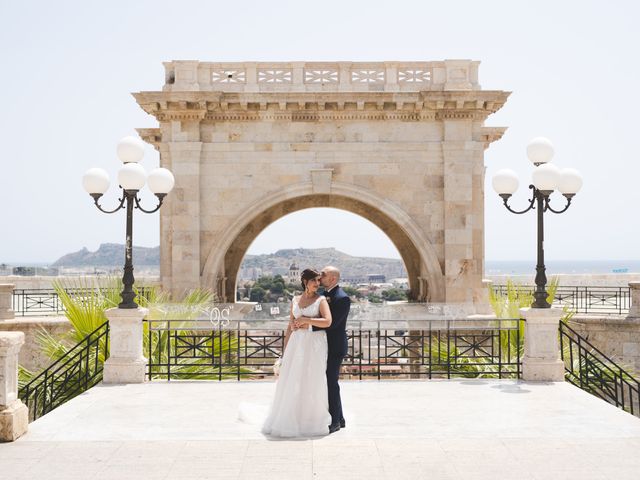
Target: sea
{"x": 522, "y": 267}
{"x": 491, "y": 267}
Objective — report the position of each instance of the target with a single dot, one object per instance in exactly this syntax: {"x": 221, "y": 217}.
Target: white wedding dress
{"x": 300, "y": 406}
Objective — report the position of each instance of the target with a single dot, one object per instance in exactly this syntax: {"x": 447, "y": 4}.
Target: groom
{"x": 339, "y": 304}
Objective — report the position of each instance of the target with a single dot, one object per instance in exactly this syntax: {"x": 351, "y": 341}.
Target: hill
{"x": 112, "y": 254}
{"x": 350, "y": 266}
{"x": 109, "y": 254}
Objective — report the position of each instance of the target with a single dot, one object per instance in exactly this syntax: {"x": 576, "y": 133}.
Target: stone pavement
{"x": 462, "y": 429}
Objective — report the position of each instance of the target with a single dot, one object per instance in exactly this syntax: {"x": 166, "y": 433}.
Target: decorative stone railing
{"x": 183, "y": 75}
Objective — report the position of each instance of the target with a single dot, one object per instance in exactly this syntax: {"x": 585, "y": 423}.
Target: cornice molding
{"x": 152, "y": 136}
{"x": 330, "y": 106}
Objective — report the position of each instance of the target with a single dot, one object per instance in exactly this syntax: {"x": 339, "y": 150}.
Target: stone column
{"x": 634, "y": 306}
{"x": 14, "y": 415}
{"x": 463, "y": 215}
{"x": 6, "y": 294}
{"x": 126, "y": 363}
{"x": 184, "y": 211}
{"x": 541, "y": 360}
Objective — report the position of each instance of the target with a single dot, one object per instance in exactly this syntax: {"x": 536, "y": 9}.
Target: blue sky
{"x": 68, "y": 69}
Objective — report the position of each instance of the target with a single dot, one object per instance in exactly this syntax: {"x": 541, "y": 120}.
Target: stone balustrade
{"x": 634, "y": 307}
{"x": 321, "y": 76}
{"x": 14, "y": 415}
{"x": 6, "y": 294}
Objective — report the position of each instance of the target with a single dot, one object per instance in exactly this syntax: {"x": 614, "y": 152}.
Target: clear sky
{"x": 68, "y": 68}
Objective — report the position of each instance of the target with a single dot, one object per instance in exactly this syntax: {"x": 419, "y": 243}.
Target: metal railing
{"x": 77, "y": 371}
{"x": 46, "y": 301}
{"x": 586, "y": 299}
{"x": 591, "y": 370}
{"x": 179, "y": 349}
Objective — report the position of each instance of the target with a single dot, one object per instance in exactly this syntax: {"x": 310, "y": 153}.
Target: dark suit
{"x": 339, "y": 304}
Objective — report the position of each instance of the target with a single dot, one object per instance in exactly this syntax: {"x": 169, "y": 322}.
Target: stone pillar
{"x": 184, "y": 211}
{"x": 14, "y": 415}
{"x": 463, "y": 214}
{"x": 634, "y": 306}
{"x": 541, "y": 360}
{"x": 126, "y": 363}
{"x": 6, "y": 295}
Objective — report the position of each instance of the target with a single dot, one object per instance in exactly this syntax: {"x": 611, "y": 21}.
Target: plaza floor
{"x": 462, "y": 429}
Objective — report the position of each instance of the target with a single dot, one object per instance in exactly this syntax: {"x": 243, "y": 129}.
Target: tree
{"x": 352, "y": 291}
{"x": 277, "y": 285}
{"x": 374, "y": 298}
{"x": 394, "y": 294}
{"x": 257, "y": 294}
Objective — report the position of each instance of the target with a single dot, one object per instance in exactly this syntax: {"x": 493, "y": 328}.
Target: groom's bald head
{"x": 330, "y": 276}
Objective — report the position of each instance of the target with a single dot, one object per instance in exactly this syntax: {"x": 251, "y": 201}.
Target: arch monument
{"x": 399, "y": 143}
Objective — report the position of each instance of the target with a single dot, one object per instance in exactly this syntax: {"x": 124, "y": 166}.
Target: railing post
{"x": 14, "y": 415}
{"x": 634, "y": 305}
{"x": 542, "y": 360}
{"x": 6, "y": 298}
{"x": 126, "y": 362}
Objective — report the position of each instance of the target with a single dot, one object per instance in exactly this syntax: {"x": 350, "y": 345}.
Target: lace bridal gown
{"x": 300, "y": 406}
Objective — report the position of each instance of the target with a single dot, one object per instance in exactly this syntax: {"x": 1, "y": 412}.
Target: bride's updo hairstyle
{"x": 308, "y": 274}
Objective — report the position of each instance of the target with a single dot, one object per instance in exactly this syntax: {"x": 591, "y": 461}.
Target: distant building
{"x": 24, "y": 271}
{"x": 294, "y": 273}
{"x": 376, "y": 278}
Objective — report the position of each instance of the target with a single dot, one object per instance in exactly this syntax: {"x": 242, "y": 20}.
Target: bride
{"x": 300, "y": 406}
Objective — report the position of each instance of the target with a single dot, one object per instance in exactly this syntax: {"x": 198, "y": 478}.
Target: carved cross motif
{"x": 274, "y": 76}
{"x": 414, "y": 76}
{"x": 228, "y": 76}
{"x": 321, "y": 76}
{"x": 367, "y": 76}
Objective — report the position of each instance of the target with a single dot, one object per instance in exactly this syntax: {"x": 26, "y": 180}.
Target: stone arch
{"x": 223, "y": 262}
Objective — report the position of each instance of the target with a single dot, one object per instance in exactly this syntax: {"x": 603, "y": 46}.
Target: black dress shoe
{"x": 342, "y": 423}
{"x": 334, "y": 427}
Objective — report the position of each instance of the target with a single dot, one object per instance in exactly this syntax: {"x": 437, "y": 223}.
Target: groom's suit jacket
{"x": 339, "y": 304}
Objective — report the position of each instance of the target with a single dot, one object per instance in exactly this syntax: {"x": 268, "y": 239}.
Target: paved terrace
{"x": 462, "y": 429}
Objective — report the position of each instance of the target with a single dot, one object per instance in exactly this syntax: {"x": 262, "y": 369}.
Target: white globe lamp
{"x": 540, "y": 150}
{"x": 132, "y": 176}
{"x": 160, "y": 181}
{"x": 505, "y": 182}
{"x": 130, "y": 150}
{"x": 545, "y": 177}
{"x": 95, "y": 181}
{"x": 570, "y": 182}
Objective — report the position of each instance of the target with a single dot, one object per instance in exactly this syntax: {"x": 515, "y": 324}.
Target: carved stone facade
{"x": 399, "y": 143}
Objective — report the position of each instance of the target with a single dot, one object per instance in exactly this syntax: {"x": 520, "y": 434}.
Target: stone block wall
{"x": 617, "y": 337}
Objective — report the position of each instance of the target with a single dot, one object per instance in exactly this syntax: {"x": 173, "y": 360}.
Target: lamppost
{"x": 131, "y": 178}
{"x": 545, "y": 179}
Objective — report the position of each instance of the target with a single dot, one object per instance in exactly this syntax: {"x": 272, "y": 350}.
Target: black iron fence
{"x": 77, "y": 371}
{"x": 46, "y": 301}
{"x": 587, "y": 299}
{"x": 591, "y": 370}
{"x": 179, "y": 349}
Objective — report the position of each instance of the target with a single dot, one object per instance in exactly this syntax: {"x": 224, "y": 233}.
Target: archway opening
{"x": 424, "y": 273}
{"x": 371, "y": 265}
